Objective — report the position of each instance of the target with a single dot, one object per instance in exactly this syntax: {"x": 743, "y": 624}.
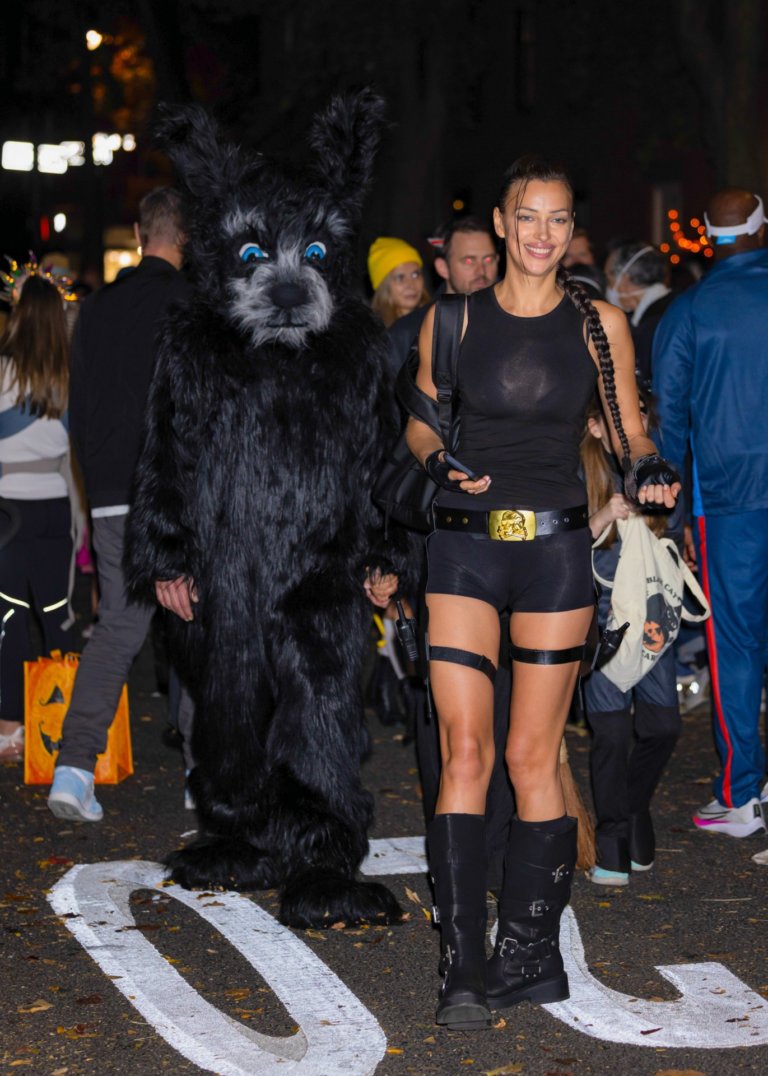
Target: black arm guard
{"x": 648, "y": 471}
{"x": 438, "y": 469}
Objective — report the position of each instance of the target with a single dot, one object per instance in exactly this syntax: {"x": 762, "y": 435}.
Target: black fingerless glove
{"x": 648, "y": 471}
{"x": 438, "y": 469}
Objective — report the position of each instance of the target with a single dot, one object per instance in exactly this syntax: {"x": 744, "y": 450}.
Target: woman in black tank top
{"x": 511, "y": 532}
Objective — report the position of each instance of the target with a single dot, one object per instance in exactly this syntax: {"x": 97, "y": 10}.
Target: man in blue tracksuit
{"x": 710, "y": 363}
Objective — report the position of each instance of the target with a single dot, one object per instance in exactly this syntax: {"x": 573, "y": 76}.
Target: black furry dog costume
{"x": 269, "y": 416}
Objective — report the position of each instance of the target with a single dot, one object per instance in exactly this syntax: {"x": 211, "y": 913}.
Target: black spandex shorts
{"x": 551, "y": 574}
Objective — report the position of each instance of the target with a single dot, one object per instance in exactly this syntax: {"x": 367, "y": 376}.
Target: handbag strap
{"x": 450, "y": 311}
{"x": 690, "y": 583}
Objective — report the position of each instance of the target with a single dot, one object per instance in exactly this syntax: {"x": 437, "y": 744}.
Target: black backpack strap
{"x": 446, "y": 340}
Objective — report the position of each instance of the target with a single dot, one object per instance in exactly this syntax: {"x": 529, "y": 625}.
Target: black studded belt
{"x": 511, "y": 524}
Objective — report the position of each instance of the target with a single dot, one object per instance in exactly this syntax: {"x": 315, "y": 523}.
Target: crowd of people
{"x": 585, "y": 395}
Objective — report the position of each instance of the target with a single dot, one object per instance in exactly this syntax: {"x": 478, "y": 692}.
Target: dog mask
{"x": 269, "y": 245}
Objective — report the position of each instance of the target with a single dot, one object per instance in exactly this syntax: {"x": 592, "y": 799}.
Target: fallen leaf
{"x": 238, "y": 993}
{"x": 500, "y": 1023}
{"x": 394, "y": 1050}
{"x": 412, "y": 896}
{"x": 77, "y": 1031}
{"x": 339, "y": 926}
{"x": 90, "y": 999}
{"x": 505, "y": 1070}
{"x": 315, "y": 934}
{"x": 37, "y": 1006}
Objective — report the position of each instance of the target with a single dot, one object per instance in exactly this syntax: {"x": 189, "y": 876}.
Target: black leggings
{"x": 34, "y": 576}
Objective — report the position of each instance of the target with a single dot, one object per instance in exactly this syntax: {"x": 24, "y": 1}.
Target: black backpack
{"x": 403, "y": 489}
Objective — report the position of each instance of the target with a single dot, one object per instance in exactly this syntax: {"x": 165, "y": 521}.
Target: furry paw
{"x": 320, "y": 900}
{"x": 221, "y": 862}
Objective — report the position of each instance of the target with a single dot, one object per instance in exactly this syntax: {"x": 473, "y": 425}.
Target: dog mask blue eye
{"x": 315, "y": 252}
{"x": 252, "y": 252}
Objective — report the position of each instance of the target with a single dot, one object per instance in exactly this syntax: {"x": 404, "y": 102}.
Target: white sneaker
{"x": 764, "y": 793}
{"x": 734, "y": 821}
{"x": 71, "y": 796}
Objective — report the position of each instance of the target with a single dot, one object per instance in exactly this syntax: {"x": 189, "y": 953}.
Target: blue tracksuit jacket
{"x": 710, "y": 378}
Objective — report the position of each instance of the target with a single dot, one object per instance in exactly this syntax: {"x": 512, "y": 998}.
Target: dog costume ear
{"x": 345, "y": 138}
{"x": 206, "y": 166}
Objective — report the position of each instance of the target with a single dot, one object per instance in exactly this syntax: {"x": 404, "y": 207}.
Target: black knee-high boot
{"x": 538, "y": 869}
{"x": 458, "y": 864}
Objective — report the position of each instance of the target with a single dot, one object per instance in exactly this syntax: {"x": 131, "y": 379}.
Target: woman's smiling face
{"x": 536, "y": 224}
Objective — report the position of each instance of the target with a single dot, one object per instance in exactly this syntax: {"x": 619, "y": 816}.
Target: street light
{"x": 93, "y": 39}
{"x": 18, "y": 156}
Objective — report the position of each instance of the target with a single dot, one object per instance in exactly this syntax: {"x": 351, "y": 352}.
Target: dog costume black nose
{"x": 287, "y": 295}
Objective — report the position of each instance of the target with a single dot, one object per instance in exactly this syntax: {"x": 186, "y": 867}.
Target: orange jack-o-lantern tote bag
{"x": 47, "y": 690}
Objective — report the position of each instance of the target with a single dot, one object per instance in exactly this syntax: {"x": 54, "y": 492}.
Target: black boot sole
{"x": 464, "y": 1016}
{"x": 542, "y": 993}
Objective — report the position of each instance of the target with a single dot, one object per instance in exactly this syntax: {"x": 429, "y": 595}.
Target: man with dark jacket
{"x": 112, "y": 364}
{"x": 711, "y": 381}
{"x": 467, "y": 260}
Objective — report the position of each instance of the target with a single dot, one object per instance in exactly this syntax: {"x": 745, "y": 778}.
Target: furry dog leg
{"x": 320, "y": 886}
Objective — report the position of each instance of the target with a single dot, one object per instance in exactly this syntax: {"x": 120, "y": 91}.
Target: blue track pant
{"x": 733, "y": 567}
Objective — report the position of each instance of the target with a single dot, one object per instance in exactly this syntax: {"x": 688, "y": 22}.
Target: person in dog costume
{"x": 252, "y": 520}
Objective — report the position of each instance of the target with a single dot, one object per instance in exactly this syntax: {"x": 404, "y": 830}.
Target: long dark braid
{"x": 522, "y": 171}
{"x": 581, "y": 300}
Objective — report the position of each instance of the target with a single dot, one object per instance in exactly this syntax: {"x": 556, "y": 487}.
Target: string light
{"x": 697, "y": 243}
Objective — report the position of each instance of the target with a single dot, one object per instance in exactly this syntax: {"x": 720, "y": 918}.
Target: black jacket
{"x": 113, "y": 355}
{"x": 642, "y": 337}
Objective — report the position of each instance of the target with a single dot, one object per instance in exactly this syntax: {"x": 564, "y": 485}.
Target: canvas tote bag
{"x": 647, "y": 591}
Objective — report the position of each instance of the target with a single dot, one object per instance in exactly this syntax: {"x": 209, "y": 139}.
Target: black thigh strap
{"x": 464, "y": 657}
{"x": 546, "y": 657}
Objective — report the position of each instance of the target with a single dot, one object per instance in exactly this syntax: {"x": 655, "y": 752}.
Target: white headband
{"x": 753, "y": 223}
{"x": 631, "y": 261}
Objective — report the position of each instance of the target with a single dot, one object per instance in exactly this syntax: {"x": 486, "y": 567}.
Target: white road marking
{"x": 337, "y": 1033}
{"x": 395, "y": 855}
{"x": 716, "y": 1011}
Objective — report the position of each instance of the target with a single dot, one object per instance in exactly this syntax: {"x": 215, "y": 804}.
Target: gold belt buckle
{"x": 512, "y": 525}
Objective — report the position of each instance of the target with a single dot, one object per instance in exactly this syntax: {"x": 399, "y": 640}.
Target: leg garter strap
{"x": 464, "y": 657}
{"x": 547, "y": 657}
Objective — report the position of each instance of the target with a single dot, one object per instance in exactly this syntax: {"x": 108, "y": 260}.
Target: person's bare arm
{"x": 623, "y": 355}
{"x": 422, "y": 440}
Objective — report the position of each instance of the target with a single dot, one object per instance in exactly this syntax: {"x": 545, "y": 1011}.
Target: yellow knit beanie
{"x": 386, "y": 254}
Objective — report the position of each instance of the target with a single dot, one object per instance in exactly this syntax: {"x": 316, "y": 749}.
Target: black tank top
{"x": 523, "y": 386}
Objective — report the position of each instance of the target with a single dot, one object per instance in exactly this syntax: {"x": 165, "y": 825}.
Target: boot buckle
{"x": 559, "y": 873}
{"x": 435, "y": 915}
{"x": 537, "y": 908}
{"x": 531, "y": 970}
{"x": 509, "y": 945}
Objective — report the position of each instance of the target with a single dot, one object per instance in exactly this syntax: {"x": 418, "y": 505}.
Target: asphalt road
{"x": 704, "y": 902}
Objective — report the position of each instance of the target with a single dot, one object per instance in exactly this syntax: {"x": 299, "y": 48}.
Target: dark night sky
{"x": 625, "y": 94}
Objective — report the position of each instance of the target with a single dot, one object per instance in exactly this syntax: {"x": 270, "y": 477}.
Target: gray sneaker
{"x": 71, "y": 796}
